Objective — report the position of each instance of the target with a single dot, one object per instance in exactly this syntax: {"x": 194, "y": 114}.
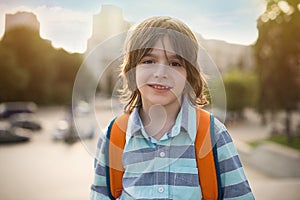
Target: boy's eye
{"x": 175, "y": 64}
{"x": 147, "y": 61}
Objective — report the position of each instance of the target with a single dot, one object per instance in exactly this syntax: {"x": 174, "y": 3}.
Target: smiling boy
{"x": 163, "y": 89}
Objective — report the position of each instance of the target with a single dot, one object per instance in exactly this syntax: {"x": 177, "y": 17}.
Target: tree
{"x": 241, "y": 92}
{"x": 32, "y": 70}
{"x": 13, "y": 78}
{"x": 278, "y": 58}
{"x": 34, "y": 56}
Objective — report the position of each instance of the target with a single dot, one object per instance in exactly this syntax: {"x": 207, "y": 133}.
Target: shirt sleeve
{"x": 235, "y": 185}
{"x": 99, "y": 187}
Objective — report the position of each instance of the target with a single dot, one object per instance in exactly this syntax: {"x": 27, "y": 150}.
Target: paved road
{"x": 47, "y": 170}
{"x": 264, "y": 187}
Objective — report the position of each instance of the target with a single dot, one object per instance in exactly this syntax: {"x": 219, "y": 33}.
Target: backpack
{"x": 206, "y": 156}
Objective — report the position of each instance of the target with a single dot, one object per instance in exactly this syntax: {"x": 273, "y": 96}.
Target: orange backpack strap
{"x": 116, "y": 136}
{"x": 206, "y": 156}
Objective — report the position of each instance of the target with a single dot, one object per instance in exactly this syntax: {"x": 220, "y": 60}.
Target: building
{"x": 107, "y": 23}
{"x": 228, "y": 56}
{"x": 105, "y": 46}
{"x": 26, "y": 19}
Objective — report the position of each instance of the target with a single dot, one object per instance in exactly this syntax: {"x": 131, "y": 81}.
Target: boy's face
{"x": 161, "y": 76}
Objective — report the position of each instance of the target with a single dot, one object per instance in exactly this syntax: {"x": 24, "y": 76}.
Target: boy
{"x": 163, "y": 91}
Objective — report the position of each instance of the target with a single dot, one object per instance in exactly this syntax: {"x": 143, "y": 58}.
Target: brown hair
{"x": 138, "y": 44}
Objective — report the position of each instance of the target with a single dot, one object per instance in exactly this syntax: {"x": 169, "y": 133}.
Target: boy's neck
{"x": 158, "y": 119}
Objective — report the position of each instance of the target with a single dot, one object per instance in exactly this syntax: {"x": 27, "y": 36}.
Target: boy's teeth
{"x": 160, "y": 87}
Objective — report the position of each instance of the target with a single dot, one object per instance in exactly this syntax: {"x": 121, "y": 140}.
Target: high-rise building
{"x": 107, "y": 23}
{"x": 105, "y": 46}
{"x": 23, "y": 18}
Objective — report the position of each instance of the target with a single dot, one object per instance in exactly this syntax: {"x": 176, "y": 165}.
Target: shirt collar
{"x": 185, "y": 122}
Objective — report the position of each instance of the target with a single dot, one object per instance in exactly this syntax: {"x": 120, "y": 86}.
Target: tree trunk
{"x": 263, "y": 119}
{"x": 274, "y": 129}
{"x": 288, "y": 127}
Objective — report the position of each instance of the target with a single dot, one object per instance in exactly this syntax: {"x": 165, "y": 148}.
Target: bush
{"x": 241, "y": 90}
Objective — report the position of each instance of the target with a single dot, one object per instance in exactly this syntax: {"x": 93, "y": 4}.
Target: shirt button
{"x": 162, "y": 154}
{"x": 160, "y": 189}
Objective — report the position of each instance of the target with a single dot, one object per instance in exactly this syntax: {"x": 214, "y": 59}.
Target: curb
{"x": 271, "y": 158}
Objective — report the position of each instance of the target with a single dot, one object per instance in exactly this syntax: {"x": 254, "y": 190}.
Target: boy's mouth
{"x": 159, "y": 87}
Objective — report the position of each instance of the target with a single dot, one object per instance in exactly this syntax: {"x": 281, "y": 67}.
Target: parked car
{"x": 63, "y": 128}
{"x": 25, "y": 120}
{"x": 11, "y": 135}
{"x": 8, "y": 109}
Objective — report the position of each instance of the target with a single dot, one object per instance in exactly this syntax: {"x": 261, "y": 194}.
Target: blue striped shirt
{"x": 167, "y": 168}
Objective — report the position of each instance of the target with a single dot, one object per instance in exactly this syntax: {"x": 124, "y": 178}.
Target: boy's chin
{"x": 164, "y": 101}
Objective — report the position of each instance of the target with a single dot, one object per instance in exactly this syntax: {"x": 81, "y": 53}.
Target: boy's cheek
{"x": 141, "y": 77}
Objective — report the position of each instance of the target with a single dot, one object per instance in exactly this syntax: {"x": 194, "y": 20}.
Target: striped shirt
{"x": 167, "y": 168}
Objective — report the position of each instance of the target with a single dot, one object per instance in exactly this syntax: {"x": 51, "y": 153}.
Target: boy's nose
{"x": 161, "y": 71}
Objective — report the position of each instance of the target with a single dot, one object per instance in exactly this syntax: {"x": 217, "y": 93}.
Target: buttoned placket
{"x": 162, "y": 181}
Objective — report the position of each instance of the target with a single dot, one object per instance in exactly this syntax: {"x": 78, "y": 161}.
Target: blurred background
{"x": 255, "y": 44}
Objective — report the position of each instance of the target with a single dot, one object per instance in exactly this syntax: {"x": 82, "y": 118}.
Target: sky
{"x": 68, "y": 23}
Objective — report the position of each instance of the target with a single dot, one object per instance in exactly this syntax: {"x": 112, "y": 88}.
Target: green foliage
{"x": 278, "y": 54}
{"x": 241, "y": 90}
{"x": 278, "y": 58}
{"x": 10, "y": 72}
{"x": 279, "y": 139}
{"x": 32, "y": 70}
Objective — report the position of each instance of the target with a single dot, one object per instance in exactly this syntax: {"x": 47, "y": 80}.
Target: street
{"x": 46, "y": 169}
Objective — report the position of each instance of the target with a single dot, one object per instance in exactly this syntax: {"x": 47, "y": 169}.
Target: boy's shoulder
{"x": 219, "y": 126}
